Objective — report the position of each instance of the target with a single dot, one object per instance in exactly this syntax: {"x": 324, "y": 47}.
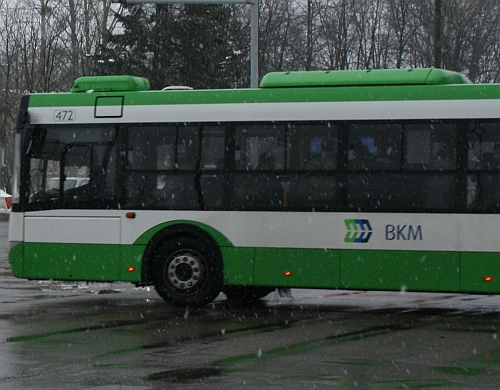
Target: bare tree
{"x": 400, "y": 26}
{"x": 371, "y": 35}
{"x": 10, "y": 88}
{"x": 309, "y": 17}
{"x": 279, "y": 27}
{"x": 83, "y": 27}
{"x": 471, "y": 33}
{"x": 336, "y": 34}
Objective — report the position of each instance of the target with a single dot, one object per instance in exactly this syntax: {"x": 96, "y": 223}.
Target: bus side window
{"x": 212, "y": 147}
{"x": 484, "y": 146}
{"x": 264, "y": 189}
{"x": 187, "y": 147}
{"x": 213, "y": 178}
{"x": 260, "y": 189}
{"x": 483, "y": 183}
{"x": 257, "y": 191}
{"x": 176, "y": 188}
{"x": 252, "y": 141}
{"x": 260, "y": 154}
{"x": 430, "y": 146}
{"x": 430, "y": 160}
{"x": 374, "y": 146}
{"x": 313, "y": 152}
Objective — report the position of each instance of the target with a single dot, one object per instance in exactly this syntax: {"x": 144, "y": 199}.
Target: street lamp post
{"x": 254, "y": 27}
{"x": 1, "y": 165}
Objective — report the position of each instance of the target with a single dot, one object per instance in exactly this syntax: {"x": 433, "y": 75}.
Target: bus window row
{"x": 323, "y": 166}
{"x": 328, "y": 146}
{"x": 315, "y": 191}
{"x": 390, "y": 146}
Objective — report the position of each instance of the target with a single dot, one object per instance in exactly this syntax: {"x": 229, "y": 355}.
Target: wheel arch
{"x": 156, "y": 236}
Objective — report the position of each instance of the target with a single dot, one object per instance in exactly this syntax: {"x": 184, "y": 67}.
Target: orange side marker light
{"x": 130, "y": 215}
{"x": 488, "y": 279}
{"x": 287, "y": 273}
{"x": 130, "y": 269}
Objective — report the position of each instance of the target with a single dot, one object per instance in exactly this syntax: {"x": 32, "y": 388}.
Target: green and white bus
{"x": 366, "y": 180}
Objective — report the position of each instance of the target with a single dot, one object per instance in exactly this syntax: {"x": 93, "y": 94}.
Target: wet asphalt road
{"x": 57, "y": 335}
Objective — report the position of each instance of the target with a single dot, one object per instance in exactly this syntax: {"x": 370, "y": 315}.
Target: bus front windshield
{"x": 70, "y": 165}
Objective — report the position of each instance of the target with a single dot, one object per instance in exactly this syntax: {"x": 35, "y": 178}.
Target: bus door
{"x": 70, "y": 233}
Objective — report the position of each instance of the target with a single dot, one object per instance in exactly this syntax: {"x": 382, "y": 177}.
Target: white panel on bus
{"x": 72, "y": 230}
{"x": 392, "y": 110}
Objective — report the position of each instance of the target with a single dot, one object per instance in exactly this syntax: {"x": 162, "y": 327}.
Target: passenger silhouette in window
{"x": 312, "y": 189}
{"x": 174, "y": 190}
{"x": 327, "y": 158}
{"x": 265, "y": 190}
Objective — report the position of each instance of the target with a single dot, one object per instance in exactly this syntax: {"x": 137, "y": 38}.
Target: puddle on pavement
{"x": 184, "y": 374}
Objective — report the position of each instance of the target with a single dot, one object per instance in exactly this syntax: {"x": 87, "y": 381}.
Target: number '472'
{"x": 64, "y": 115}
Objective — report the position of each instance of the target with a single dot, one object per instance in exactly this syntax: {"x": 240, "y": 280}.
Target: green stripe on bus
{"x": 71, "y": 261}
{"x": 16, "y": 260}
{"x": 400, "y": 270}
{"x": 473, "y": 272}
{"x": 285, "y": 95}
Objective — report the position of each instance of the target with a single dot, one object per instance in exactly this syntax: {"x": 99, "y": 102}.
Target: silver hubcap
{"x": 184, "y": 271}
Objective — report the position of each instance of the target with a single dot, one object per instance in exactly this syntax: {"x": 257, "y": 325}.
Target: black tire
{"x": 188, "y": 272}
{"x": 246, "y": 294}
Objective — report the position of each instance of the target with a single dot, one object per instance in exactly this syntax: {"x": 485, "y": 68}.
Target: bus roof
{"x": 343, "y": 78}
{"x": 287, "y": 87}
{"x": 328, "y": 78}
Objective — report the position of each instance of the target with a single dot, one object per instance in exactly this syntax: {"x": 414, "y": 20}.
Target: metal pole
{"x": 2, "y": 164}
{"x": 254, "y": 45}
{"x": 438, "y": 33}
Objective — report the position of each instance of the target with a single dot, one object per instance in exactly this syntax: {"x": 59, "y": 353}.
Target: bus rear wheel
{"x": 187, "y": 272}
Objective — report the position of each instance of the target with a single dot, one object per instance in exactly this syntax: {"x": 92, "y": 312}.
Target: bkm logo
{"x": 358, "y": 230}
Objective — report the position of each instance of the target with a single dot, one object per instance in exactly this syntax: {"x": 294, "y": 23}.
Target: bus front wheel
{"x": 187, "y": 272}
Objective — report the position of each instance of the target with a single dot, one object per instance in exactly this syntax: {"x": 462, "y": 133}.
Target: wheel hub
{"x": 184, "y": 271}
